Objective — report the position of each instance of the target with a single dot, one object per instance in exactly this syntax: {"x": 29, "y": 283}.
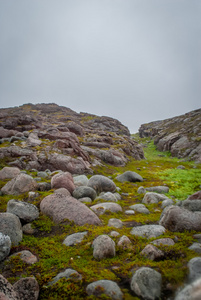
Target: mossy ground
{"x": 53, "y": 257}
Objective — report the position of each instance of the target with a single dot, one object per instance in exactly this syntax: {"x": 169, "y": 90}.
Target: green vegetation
{"x": 53, "y": 257}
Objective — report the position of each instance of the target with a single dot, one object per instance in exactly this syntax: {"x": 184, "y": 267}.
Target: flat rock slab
{"x": 140, "y": 208}
{"x": 148, "y": 231}
{"x": 69, "y": 274}
{"x": 60, "y": 208}
{"x": 164, "y": 241}
{"x": 101, "y": 208}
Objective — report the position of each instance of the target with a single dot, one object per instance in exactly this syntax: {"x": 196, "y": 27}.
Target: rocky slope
{"x": 180, "y": 135}
{"x": 49, "y": 136}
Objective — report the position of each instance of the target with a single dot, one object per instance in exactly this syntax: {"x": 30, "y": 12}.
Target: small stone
{"x": 129, "y": 212}
{"x": 152, "y": 253}
{"x": 103, "y": 247}
{"x": 115, "y": 223}
{"x": 75, "y": 238}
{"x": 105, "y": 287}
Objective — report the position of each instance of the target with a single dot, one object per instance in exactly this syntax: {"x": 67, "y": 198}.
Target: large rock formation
{"x": 54, "y": 137}
{"x": 180, "y": 135}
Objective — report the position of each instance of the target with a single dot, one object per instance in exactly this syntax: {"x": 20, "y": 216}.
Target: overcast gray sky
{"x": 133, "y": 60}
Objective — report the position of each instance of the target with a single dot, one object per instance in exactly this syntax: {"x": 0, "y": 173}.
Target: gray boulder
{"x": 129, "y": 176}
{"x": 101, "y": 208}
{"x": 191, "y": 291}
{"x": 158, "y": 189}
{"x": 164, "y": 241}
{"x": 153, "y": 253}
{"x": 25, "y": 211}
{"x": 192, "y": 205}
{"x": 84, "y": 191}
{"x": 140, "y": 208}
{"x": 5, "y": 245}
{"x": 124, "y": 242}
{"x": 105, "y": 287}
{"x": 80, "y": 180}
{"x": 166, "y": 203}
{"x": 175, "y": 218}
{"x": 148, "y": 231}
{"x": 21, "y": 184}
{"x": 194, "y": 266}
{"x": 108, "y": 197}
{"x": 101, "y": 183}
{"x": 74, "y": 238}
{"x": 103, "y": 247}
{"x": 69, "y": 274}
{"x": 60, "y": 208}
{"x": 115, "y": 223}
{"x": 151, "y": 197}
{"x": 27, "y": 288}
{"x": 9, "y": 173}
{"x": 196, "y": 247}
{"x": 10, "y": 225}
{"x": 146, "y": 283}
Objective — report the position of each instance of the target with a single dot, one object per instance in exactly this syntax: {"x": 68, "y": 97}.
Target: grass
{"x": 53, "y": 257}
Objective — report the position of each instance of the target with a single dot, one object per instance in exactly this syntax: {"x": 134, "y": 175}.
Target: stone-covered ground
{"x": 44, "y": 238}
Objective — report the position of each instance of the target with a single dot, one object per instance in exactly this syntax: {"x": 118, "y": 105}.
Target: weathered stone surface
{"x": 190, "y": 292}
{"x": 115, "y": 223}
{"x": 151, "y": 197}
{"x": 192, "y": 205}
{"x": 148, "y": 231}
{"x": 105, "y": 287}
{"x": 153, "y": 253}
{"x": 26, "y": 256}
{"x": 158, "y": 189}
{"x": 103, "y": 247}
{"x": 140, "y": 208}
{"x": 7, "y": 289}
{"x": 80, "y": 180}
{"x": 10, "y": 225}
{"x": 25, "y": 211}
{"x": 5, "y": 245}
{"x": 166, "y": 203}
{"x": 101, "y": 183}
{"x": 74, "y": 238}
{"x": 176, "y": 218}
{"x": 33, "y": 140}
{"x": 129, "y": 176}
{"x": 124, "y": 242}
{"x": 9, "y": 173}
{"x": 21, "y": 184}
{"x": 60, "y": 208}
{"x": 196, "y": 247}
{"x": 195, "y": 196}
{"x": 69, "y": 274}
{"x": 164, "y": 241}
{"x": 101, "y": 208}
{"x": 194, "y": 266}
{"x": 62, "y": 191}
{"x": 84, "y": 191}
{"x": 63, "y": 180}
{"x": 108, "y": 196}
{"x": 27, "y": 288}
{"x": 146, "y": 283}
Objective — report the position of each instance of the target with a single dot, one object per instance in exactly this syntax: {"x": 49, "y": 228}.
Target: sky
{"x": 133, "y": 60}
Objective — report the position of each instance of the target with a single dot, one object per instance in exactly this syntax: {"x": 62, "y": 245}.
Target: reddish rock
{"x": 63, "y": 180}
{"x": 4, "y": 133}
{"x": 9, "y": 173}
{"x": 60, "y": 208}
{"x": 195, "y": 196}
{"x": 21, "y": 184}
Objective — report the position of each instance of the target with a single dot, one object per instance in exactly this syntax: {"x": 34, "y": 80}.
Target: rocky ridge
{"x": 48, "y": 136}
{"x": 180, "y": 135}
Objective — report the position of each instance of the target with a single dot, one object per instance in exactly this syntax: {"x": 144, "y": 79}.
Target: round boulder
{"x": 148, "y": 231}
{"x": 63, "y": 180}
{"x": 101, "y": 183}
{"x": 146, "y": 283}
{"x": 25, "y": 211}
{"x": 10, "y": 225}
{"x": 5, "y": 245}
{"x": 103, "y": 246}
{"x": 21, "y": 184}
{"x": 9, "y": 173}
{"x": 129, "y": 176}
{"x": 105, "y": 287}
{"x": 84, "y": 191}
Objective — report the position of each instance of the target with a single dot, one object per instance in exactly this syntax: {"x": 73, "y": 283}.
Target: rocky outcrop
{"x": 180, "y": 135}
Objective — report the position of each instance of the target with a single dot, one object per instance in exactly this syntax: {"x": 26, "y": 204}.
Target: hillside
{"x": 180, "y": 135}
{"x": 88, "y": 211}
